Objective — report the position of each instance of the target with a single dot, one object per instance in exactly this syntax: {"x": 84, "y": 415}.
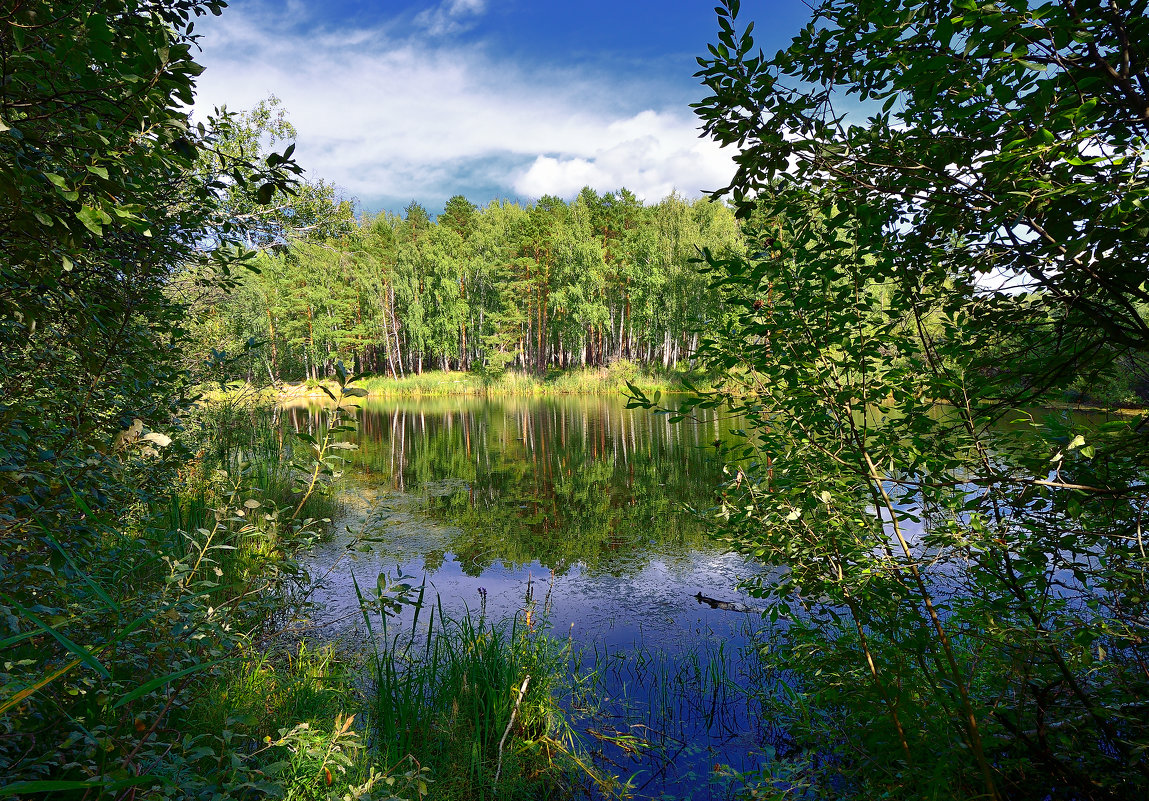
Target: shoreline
{"x": 599, "y": 381}
{"x": 596, "y": 381}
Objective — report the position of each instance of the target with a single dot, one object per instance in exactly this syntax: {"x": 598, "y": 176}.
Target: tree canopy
{"x": 108, "y": 190}
{"x": 945, "y": 206}
{"x": 549, "y": 285}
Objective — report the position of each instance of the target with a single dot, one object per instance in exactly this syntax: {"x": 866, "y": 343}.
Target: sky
{"x": 399, "y": 101}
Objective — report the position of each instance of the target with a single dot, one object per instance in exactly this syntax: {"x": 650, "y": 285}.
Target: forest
{"x": 932, "y": 245}
{"x": 550, "y": 285}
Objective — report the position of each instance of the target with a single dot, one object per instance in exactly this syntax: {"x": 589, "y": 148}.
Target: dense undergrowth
{"x": 132, "y": 616}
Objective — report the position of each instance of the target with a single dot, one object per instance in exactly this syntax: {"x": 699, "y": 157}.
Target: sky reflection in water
{"x": 476, "y": 493}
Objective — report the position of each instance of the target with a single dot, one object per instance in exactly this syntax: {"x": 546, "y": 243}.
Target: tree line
{"x": 552, "y": 284}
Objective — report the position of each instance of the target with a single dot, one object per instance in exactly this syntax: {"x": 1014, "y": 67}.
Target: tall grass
{"x": 270, "y": 690}
{"x": 575, "y": 381}
{"x": 477, "y": 702}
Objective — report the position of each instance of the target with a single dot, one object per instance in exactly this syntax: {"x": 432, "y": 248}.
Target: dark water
{"x": 583, "y": 502}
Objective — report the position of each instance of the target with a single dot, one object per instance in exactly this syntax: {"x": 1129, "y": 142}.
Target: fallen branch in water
{"x": 729, "y": 606}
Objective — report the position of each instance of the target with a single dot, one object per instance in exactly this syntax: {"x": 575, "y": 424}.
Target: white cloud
{"x": 650, "y": 153}
{"x": 452, "y": 16}
{"x": 383, "y": 114}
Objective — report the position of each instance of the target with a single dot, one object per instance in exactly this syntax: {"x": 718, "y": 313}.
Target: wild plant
{"x": 477, "y": 701}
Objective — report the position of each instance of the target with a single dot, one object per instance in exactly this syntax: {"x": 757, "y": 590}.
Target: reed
{"x": 477, "y": 702}
{"x": 574, "y": 381}
{"x": 665, "y": 717}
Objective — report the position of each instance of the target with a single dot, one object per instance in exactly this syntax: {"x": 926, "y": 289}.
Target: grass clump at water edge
{"x": 476, "y": 701}
{"x": 290, "y": 720}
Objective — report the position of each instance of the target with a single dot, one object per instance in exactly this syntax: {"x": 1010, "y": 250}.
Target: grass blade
{"x": 147, "y": 687}
{"x": 53, "y": 786}
{"x": 78, "y": 650}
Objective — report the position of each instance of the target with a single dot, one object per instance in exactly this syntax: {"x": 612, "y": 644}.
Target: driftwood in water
{"x": 729, "y": 606}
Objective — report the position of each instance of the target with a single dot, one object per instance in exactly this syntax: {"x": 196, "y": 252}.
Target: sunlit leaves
{"x": 886, "y": 378}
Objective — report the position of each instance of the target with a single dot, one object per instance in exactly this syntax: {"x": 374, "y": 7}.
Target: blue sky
{"x": 400, "y": 101}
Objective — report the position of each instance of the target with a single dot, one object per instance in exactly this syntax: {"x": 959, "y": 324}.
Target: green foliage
{"x": 102, "y": 202}
{"x": 157, "y": 611}
{"x": 963, "y": 578}
{"x": 476, "y": 700}
{"x": 133, "y": 570}
{"x": 288, "y": 719}
{"x": 555, "y": 285}
{"x": 307, "y": 216}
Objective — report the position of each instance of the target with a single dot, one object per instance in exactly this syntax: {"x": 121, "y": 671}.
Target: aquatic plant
{"x": 475, "y": 701}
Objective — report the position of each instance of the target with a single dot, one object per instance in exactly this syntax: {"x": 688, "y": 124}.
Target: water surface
{"x": 586, "y": 504}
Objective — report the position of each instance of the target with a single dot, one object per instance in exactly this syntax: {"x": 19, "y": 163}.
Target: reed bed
{"x": 665, "y": 718}
{"x": 478, "y": 702}
{"x": 574, "y": 381}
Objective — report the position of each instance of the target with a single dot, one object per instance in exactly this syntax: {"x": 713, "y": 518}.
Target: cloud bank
{"x": 402, "y": 110}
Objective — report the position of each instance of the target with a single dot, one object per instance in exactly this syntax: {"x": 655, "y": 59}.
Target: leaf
{"x": 184, "y": 148}
{"x": 55, "y": 786}
{"x": 147, "y": 687}
{"x": 96, "y": 588}
{"x": 264, "y": 194}
{"x": 163, "y": 440}
{"x": 44, "y": 682}
{"x": 82, "y": 653}
{"x": 91, "y": 220}
{"x": 356, "y": 392}
{"x": 944, "y": 31}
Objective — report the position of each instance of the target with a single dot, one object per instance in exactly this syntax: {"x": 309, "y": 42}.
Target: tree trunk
{"x": 395, "y": 332}
{"x": 271, "y": 340}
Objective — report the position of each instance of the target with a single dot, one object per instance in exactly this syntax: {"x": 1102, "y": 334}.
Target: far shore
{"x": 438, "y": 383}
{"x": 610, "y": 380}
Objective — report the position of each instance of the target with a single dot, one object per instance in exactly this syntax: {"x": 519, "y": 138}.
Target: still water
{"x": 586, "y": 503}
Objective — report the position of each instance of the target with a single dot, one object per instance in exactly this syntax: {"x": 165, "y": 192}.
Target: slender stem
{"x": 507, "y": 731}
{"x": 971, "y": 719}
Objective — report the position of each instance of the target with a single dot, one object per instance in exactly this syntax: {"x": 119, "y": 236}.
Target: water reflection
{"x": 557, "y": 482}
{"x": 588, "y": 499}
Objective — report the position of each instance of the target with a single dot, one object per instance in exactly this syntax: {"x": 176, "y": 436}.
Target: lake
{"x": 585, "y": 503}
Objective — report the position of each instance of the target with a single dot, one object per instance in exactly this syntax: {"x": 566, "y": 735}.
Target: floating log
{"x": 729, "y": 606}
